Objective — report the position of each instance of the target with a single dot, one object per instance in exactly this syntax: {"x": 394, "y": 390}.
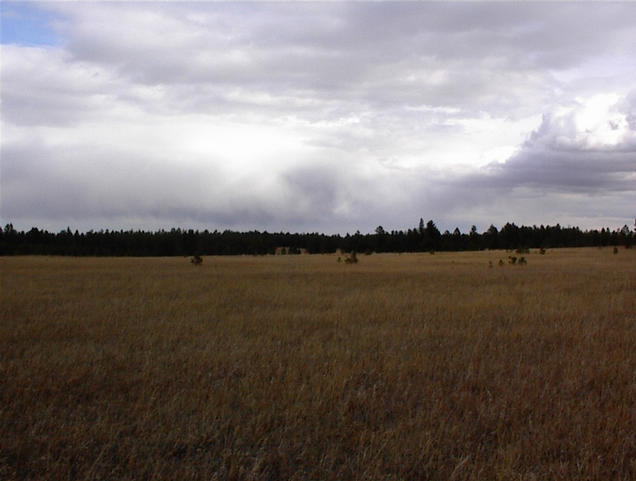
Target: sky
{"x": 317, "y": 116}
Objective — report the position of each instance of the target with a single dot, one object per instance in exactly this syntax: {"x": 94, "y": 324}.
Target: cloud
{"x": 587, "y": 147}
{"x": 372, "y": 54}
{"x": 579, "y": 164}
{"x": 333, "y": 117}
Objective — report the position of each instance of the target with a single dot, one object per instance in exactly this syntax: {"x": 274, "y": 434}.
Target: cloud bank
{"x": 325, "y": 117}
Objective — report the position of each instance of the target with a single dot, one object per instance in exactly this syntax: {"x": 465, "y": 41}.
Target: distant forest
{"x": 185, "y": 242}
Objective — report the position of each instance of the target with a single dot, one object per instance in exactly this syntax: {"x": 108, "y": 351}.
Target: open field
{"x": 298, "y": 367}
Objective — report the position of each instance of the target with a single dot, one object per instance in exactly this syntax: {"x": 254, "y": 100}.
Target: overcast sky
{"x": 327, "y": 117}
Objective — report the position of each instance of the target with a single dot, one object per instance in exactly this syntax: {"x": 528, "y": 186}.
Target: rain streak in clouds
{"x": 325, "y": 117}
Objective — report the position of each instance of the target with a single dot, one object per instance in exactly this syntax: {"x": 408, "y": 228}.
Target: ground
{"x": 412, "y": 366}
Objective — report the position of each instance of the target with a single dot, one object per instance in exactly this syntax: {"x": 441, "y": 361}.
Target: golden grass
{"x": 297, "y": 367}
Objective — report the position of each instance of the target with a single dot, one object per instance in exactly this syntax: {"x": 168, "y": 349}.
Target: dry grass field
{"x": 401, "y": 367}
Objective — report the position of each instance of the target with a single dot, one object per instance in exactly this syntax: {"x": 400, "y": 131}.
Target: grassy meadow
{"x": 400, "y": 367}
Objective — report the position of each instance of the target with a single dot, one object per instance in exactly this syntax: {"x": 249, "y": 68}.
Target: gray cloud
{"x": 557, "y": 170}
{"x": 362, "y": 52}
{"x": 332, "y": 117}
{"x": 553, "y": 160}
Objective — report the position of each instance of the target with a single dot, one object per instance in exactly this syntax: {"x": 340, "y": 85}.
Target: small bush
{"x": 542, "y": 251}
{"x": 501, "y": 263}
{"x": 615, "y": 250}
{"x": 522, "y": 261}
{"x": 197, "y": 260}
{"x": 352, "y": 258}
{"x": 512, "y": 260}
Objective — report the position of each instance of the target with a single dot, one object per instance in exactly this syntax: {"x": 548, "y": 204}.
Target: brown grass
{"x": 298, "y": 367}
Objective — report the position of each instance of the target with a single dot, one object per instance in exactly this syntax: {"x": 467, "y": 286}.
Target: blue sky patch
{"x": 26, "y": 24}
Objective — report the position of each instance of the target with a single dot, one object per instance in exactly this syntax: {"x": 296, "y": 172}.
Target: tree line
{"x": 185, "y": 242}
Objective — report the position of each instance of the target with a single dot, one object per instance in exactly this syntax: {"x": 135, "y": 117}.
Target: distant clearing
{"x": 413, "y": 366}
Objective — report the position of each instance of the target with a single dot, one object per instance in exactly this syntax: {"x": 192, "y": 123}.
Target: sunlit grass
{"x": 299, "y": 367}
